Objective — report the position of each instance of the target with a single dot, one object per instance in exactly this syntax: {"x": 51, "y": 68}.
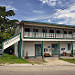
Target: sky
{"x": 49, "y": 11}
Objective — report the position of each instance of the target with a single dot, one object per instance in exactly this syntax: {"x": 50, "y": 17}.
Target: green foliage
{"x": 68, "y": 60}
{"x": 6, "y": 25}
{"x": 11, "y": 59}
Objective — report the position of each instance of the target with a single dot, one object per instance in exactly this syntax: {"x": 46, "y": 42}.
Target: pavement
{"x": 51, "y": 67}
{"x": 37, "y": 70}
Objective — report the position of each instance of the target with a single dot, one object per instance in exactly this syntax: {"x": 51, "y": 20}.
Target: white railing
{"x": 47, "y": 35}
{"x": 50, "y": 35}
{"x": 29, "y": 34}
{"x": 11, "y": 41}
{"x": 60, "y": 35}
{"x": 73, "y": 35}
{"x": 40, "y": 35}
{"x": 67, "y": 35}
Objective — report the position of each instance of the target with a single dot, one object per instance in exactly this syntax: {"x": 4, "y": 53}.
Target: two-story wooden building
{"x": 38, "y": 38}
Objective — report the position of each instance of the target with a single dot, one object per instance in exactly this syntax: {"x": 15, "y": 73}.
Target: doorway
{"x": 38, "y": 50}
{"x": 54, "y": 49}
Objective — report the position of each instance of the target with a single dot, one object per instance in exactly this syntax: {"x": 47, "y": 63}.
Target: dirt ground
{"x": 37, "y": 60}
{"x": 48, "y": 61}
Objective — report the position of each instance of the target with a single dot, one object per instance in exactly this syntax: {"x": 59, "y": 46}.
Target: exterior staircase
{"x": 7, "y": 43}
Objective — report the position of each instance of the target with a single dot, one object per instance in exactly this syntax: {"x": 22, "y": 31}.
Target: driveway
{"x": 55, "y": 61}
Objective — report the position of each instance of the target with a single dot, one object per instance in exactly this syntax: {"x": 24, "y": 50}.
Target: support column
{"x": 45, "y": 32}
{"x": 59, "y": 49}
{"x": 23, "y": 50}
{"x": 55, "y": 33}
{"x": 34, "y": 32}
{"x": 72, "y": 33}
{"x": 63, "y": 33}
{"x": 72, "y": 48}
{"x": 23, "y": 31}
{"x": 19, "y": 50}
{"x": 2, "y": 49}
{"x": 42, "y": 51}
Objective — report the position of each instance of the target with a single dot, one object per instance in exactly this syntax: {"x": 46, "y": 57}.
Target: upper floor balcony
{"x": 49, "y": 33}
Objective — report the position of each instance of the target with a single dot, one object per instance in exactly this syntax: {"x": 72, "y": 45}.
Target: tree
{"x": 6, "y": 25}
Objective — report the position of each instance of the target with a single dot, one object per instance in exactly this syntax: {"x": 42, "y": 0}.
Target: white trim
{"x": 48, "y": 39}
{"x": 11, "y": 41}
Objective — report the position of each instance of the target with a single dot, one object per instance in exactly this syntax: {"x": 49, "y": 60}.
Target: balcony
{"x": 48, "y": 35}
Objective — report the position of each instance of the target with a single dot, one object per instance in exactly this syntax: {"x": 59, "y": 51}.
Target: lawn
{"x": 68, "y": 60}
{"x": 11, "y": 59}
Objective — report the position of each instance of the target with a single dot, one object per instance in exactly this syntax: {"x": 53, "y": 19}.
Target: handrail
{"x": 11, "y": 37}
{"x": 48, "y": 35}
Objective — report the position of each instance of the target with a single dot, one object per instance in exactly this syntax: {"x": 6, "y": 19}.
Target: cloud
{"x": 9, "y": 7}
{"x": 38, "y": 11}
{"x": 49, "y": 20}
{"x": 51, "y": 2}
{"x": 68, "y": 15}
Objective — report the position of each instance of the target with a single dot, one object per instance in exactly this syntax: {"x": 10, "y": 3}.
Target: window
{"x": 46, "y": 50}
{"x": 62, "y": 48}
{"x": 69, "y": 46}
{"x": 65, "y": 32}
{"x": 51, "y": 31}
{"x": 57, "y": 31}
{"x": 27, "y": 29}
{"x": 70, "y": 32}
{"x": 44, "y": 30}
{"x": 35, "y": 30}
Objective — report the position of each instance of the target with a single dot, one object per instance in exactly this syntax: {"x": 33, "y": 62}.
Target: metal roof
{"x": 47, "y": 23}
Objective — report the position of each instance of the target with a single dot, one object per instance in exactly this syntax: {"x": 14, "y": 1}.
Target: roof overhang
{"x": 30, "y": 23}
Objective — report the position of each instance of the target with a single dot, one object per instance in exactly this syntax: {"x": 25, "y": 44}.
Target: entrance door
{"x": 55, "y": 49}
{"x": 38, "y": 50}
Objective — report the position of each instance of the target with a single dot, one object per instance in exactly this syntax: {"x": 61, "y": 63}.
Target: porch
{"x": 58, "y": 48}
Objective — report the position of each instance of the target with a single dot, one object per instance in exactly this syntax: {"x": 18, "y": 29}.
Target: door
{"x": 55, "y": 49}
{"x": 38, "y": 50}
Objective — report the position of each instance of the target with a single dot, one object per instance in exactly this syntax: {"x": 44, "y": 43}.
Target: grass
{"x": 68, "y": 60}
{"x": 11, "y": 59}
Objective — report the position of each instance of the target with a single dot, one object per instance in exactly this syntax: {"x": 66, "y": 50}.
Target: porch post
{"x": 34, "y": 32}
{"x": 45, "y": 32}
{"x": 55, "y": 33}
{"x": 19, "y": 52}
{"x": 23, "y": 50}
{"x": 72, "y": 33}
{"x": 42, "y": 51}
{"x": 72, "y": 48}
{"x": 63, "y": 33}
{"x": 2, "y": 49}
{"x": 23, "y": 31}
{"x": 59, "y": 49}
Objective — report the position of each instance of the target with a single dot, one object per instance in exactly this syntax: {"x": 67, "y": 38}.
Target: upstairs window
{"x": 27, "y": 29}
{"x": 65, "y": 32}
{"x": 51, "y": 31}
{"x": 57, "y": 31}
{"x": 44, "y": 31}
{"x": 35, "y": 30}
{"x": 70, "y": 32}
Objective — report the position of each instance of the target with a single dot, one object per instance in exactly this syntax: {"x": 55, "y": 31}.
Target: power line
{"x": 48, "y": 15}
